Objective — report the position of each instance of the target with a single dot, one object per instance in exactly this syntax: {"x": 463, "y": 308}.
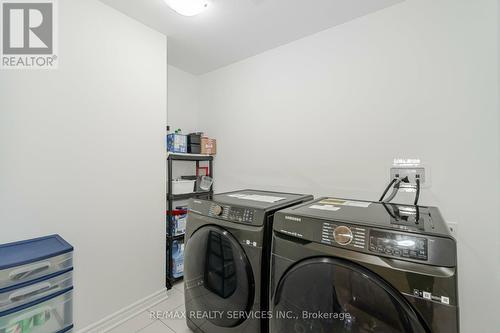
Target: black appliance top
{"x": 262, "y": 200}
{"x": 409, "y": 218}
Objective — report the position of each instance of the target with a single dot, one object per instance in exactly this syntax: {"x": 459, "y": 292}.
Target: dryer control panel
{"x": 231, "y": 213}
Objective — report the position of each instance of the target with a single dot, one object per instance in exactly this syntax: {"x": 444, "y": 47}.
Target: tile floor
{"x": 144, "y": 323}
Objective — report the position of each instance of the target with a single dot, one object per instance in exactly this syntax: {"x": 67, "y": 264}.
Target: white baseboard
{"x": 119, "y": 317}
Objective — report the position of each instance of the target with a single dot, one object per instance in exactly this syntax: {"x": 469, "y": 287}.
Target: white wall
{"x": 327, "y": 114}
{"x": 82, "y": 155}
{"x": 183, "y": 113}
{"x": 183, "y": 100}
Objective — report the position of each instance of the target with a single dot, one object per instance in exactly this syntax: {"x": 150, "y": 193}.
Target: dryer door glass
{"x": 330, "y": 295}
{"x": 219, "y": 284}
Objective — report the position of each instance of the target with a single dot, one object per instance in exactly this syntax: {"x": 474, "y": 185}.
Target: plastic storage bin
{"x": 177, "y": 259}
{"x": 25, "y": 261}
{"x": 48, "y": 315}
{"x": 182, "y": 186}
{"x": 34, "y": 290}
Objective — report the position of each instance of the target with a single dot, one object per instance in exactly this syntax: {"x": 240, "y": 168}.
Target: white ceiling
{"x": 232, "y": 30}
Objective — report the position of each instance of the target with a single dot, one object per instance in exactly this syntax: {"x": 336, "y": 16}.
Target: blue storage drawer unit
{"x": 36, "y": 286}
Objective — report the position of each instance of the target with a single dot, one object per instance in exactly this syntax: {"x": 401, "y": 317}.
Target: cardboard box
{"x": 208, "y": 146}
{"x": 177, "y": 143}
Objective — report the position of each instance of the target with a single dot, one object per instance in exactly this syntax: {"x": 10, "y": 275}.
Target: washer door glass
{"x": 218, "y": 277}
{"x": 331, "y": 295}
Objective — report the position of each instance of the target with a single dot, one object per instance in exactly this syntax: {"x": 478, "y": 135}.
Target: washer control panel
{"x": 433, "y": 249}
{"x": 391, "y": 244}
{"x": 348, "y": 236}
{"x": 234, "y": 214}
{"x": 398, "y": 245}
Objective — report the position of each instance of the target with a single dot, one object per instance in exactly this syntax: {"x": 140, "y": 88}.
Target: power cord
{"x": 387, "y": 189}
{"x": 417, "y": 193}
{"x": 397, "y": 182}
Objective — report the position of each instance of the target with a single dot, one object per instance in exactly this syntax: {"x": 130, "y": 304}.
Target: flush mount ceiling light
{"x": 188, "y": 7}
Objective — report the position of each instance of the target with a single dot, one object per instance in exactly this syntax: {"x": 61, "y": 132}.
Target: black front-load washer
{"x": 355, "y": 266}
{"x": 227, "y": 260}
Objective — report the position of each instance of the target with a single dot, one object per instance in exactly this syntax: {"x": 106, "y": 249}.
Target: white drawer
{"x": 48, "y": 315}
{"x": 28, "y": 272}
{"x": 28, "y": 292}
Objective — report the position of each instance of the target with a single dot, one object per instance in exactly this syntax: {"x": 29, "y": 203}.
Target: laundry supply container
{"x": 178, "y": 219}
{"x": 178, "y": 259}
{"x": 177, "y": 143}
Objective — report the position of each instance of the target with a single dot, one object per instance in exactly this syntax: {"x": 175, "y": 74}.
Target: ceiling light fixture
{"x": 188, "y": 7}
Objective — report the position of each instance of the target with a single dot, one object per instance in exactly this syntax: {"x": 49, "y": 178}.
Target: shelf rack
{"x": 171, "y": 198}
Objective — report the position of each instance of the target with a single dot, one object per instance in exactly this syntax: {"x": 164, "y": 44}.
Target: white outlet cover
{"x": 453, "y": 228}
{"x": 407, "y": 167}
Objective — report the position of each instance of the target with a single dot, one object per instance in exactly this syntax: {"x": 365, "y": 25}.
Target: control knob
{"x": 342, "y": 235}
{"x": 218, "y": 210}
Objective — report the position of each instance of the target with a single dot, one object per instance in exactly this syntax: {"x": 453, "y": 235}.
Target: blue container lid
{"x": 28, "y": 251}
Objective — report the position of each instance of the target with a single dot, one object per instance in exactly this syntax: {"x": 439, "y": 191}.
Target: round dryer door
{"x": 219, "y": 284}
{"x": 330, "y": 295}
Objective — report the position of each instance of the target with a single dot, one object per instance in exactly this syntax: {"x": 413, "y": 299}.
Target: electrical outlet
{"x": 453, "y": 228}
{"x": 411, "y": 172}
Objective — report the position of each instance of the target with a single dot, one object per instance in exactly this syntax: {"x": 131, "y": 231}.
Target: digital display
{"x": 240, "y": 215}
{"x": 400, "y": 245}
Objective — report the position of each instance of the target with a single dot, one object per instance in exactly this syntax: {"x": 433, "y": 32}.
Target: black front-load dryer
{"x": 354, "y": 266}
{"x": 227, "y": 260}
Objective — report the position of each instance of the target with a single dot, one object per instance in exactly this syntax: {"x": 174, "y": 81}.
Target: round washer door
{"x": 332, "y": 295}
{"x": 218, "y": 276}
